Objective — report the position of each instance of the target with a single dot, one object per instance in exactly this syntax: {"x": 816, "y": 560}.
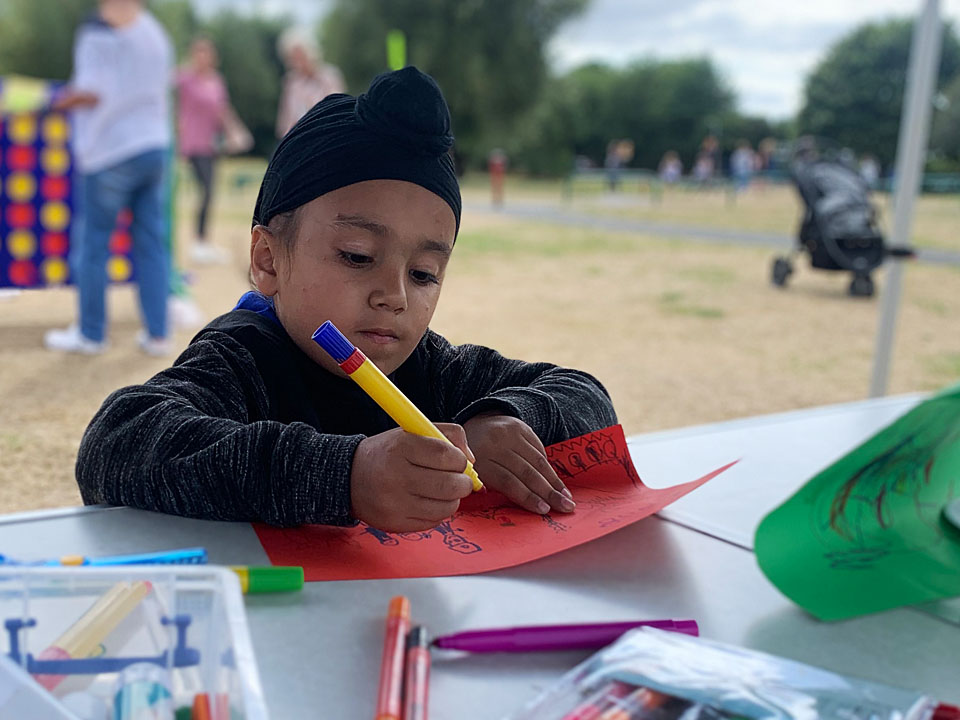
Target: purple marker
{"x": 553, "y": 637}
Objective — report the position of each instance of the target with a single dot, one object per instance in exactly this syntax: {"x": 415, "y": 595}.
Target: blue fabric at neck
{"x": 260, "y": 304}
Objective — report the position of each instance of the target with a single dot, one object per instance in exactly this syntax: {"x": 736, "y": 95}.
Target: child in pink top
{"x": 202, "y": 108}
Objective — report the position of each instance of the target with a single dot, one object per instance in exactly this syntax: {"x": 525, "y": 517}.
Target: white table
{"x": 319, "y": 650}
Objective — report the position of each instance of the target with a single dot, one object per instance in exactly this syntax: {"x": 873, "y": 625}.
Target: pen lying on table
{"x": 188, "y": 556}
{"x": 265, "y": 579}
{"x": 553, "y": 637}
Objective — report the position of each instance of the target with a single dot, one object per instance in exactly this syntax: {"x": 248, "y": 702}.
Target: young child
{"x": 355, "y": 222}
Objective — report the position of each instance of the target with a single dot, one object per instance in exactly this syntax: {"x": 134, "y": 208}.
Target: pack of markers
{"x": 126, "y": 643}
{"x": 650, "y": 674}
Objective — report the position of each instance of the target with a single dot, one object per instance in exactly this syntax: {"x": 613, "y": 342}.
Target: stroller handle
{"x": 902, "y": 253}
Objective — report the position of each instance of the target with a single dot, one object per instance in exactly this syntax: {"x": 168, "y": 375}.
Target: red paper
{"x": 488, "y": 532}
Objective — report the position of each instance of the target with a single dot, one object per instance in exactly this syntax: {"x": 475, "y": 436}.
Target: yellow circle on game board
{"x": 21, "y": 186}
{"x": 54, "y": 216}
{"x": 21, "y": 244}
{"x": 55, "y": 160}
{"x": 22, "y": 129}
{"x": 54, "y": 270}
{"x": 119, "y": 268}
{"x": 55, "y": 130}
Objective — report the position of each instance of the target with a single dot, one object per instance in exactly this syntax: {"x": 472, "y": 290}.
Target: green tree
{"x": 945, "y": 134}
{"x": 180, "y": 21}
{"x": 487, "y": 55}
{"x": 252, "y": 71}
{"x": 854, "y": 95}
{"x": 659, "y": 105}
{"x": 36, "y": 36}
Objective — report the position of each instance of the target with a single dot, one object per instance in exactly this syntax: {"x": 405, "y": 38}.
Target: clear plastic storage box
{"x": 136, "y": 641}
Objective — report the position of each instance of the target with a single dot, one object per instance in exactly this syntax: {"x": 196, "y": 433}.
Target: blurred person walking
{"x": 670, "y": 169}
{"x": 619, "y": 154}
{"x": 707, "y": 161}
{"x": 308, "y": 79}
{"x": 870, "y": 171}
{"x": 119, "y": 95}
{"x": 742, "y": 164}
{"x": 203, "y": 116}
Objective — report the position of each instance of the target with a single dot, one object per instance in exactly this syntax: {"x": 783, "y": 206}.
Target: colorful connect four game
{"x": 36, "y": 205}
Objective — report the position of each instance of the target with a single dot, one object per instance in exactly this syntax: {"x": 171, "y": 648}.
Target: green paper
{"x": 396, "y": 50}
{"x": 868, "y": 534}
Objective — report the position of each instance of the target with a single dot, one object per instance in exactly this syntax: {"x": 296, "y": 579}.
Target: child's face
{"x": 370, "y": 257}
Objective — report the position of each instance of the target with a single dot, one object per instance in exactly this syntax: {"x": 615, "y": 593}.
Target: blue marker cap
{"x": 333, "y": 341}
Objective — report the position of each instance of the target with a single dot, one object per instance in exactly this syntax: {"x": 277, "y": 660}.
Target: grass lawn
{"x": 680, "y": 332}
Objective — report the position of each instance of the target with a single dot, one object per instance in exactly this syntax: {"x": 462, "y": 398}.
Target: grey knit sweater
{"x": 245, "y": 426}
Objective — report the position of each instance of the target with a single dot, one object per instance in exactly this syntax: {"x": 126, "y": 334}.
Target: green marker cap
{"x": 275, "y": 579}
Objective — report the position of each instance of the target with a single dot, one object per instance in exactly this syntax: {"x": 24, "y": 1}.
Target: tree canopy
{"x": 855, "y": 94}
{"x": 489, "y": 56}
{"x": 660, "y": 105}
{"x": 945, "y": 134}
{"x": 36, "y": 36}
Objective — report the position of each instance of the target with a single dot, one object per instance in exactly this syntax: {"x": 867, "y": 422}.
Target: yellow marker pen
{"x": 378, "y": 386}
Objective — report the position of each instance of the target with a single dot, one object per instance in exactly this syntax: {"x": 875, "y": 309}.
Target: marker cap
{"x": 270, "y": 579}
{"x": 946, "y": 712}
{"x": 418, "y": 637}
{"x": 399, "y": 608}
{"x": 333, "y": 341}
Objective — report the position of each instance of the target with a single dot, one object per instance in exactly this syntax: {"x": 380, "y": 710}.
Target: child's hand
{"x": 401, "y": 482}
{"x": 511, "y": 459}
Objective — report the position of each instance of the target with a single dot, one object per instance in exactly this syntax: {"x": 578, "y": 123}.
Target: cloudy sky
{"x": 764, "y": 48}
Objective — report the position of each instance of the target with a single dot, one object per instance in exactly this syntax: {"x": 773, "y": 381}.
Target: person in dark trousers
{"x": 203, "y": 108}
{"x": 355, "y": 222}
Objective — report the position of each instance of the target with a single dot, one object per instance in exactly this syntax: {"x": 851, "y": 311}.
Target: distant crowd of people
{"x": 118, "y": 98}
{"x": 745, "y": 164}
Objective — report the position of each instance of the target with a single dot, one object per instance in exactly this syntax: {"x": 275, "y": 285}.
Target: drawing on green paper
{"x": 892, "y": 491}
{"x": 866, "y": 533}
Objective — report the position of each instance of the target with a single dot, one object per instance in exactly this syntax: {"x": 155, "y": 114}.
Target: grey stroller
{"x": 839, "y": 227}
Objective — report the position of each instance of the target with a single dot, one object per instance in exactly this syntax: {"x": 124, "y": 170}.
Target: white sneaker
{"x": 156, "y": 347}
{"x": 72, "y": 340}
{"x": 204, "y": 253}
{"x": 183, "y": 314}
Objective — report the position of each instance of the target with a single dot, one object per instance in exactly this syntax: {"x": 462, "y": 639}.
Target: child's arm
{"x": 510, "y": 410}
{"x": 192, "y": 441}
{"x": 556, "y": 402}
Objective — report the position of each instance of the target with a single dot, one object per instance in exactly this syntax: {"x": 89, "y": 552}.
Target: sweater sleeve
{"x": 91, "y": 60}
{"x": 557, "y": 403}
{"x": 194, "y": 441}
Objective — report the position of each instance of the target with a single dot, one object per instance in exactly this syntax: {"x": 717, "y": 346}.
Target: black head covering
{"x": 398, "y": 130}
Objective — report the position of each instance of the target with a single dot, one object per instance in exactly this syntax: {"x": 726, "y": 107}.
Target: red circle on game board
{"x": 22, "y": 272}
{"x": 54, "y": 188}
{"x": 54, "y": 243}
{"x": 21, "y": 215}
{"x": 120, "y": 242}
{"x": 21, "y": 157}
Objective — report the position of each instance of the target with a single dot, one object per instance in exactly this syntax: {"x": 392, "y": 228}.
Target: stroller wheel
{"x": 781, "y": 270}
{"x": 861, "y": 286}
